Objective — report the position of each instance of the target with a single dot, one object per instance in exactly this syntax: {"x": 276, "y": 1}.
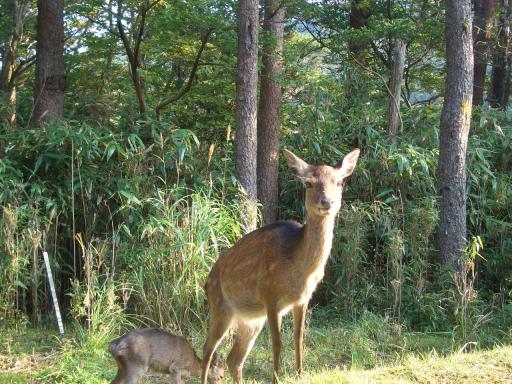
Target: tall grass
{"x": 181, "y": 242}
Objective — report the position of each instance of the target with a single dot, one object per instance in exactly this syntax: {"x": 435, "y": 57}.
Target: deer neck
{"x": 317, "y": 242}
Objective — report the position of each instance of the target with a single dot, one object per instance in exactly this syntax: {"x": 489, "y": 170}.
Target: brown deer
{"x": 274, "y": 269}
{"x": 142, "y": 349}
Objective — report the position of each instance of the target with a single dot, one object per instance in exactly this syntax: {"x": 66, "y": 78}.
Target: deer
{"x": 142, "y": 349}
{"x": 275, "y": 269}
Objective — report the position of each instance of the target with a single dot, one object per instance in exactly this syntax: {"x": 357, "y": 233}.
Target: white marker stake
{"x": 54, "y": 295}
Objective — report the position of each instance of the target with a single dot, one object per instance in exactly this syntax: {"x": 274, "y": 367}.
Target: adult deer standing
{"x": 274, "y": 269}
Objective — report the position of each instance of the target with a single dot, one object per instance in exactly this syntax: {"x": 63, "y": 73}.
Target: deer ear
{"x": 348, "y": 164}
{"x": 298, "y": 166}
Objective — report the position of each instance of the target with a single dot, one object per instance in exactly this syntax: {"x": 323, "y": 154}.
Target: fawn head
{"x": 323, "y": 183}
{"x": 216, "y": 372}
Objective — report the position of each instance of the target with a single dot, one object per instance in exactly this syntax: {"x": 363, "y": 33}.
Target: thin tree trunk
{"x": 395, "y": 86}
{"x": 455, "y": 123}
{"x": 133, "y": 52}
{"x": 269, "y": 113}
{"x": 139, "y": 90}
{"x": 18, "y": 13}
{"x": 482, "y": 26}
{"x": 50, "y": 79}
{"x": 500, "y": 60}
{"x": 246, "y": 106}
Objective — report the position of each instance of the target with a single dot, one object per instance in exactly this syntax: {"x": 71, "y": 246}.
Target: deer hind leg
{"x": 299, "y": 318}
{"x": 274, "y": 323}
{"x": 246, "y": 335}
{"x": 220, "y": 322}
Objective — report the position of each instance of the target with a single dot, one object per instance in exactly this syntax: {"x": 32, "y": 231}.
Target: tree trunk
{"x": 246, "y": 106}
{"x": 18, "y": 10}
{"x": 499, "y": 61}
{"x": 269, "y": 113}
{"x": 482, "y": 26}
{"x": 455, "y": 123}
{"x": 358, "y": 18}
{"x": 395, "y": 86}
{"x": 139, "y": 89}
{"x": 50, "y": 79}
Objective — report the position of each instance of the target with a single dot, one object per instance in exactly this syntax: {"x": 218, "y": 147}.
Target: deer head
{"x": 324, "y": 184}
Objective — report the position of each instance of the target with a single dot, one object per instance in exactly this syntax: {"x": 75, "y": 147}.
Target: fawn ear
{"x": 348, "y": 164}
{"x": 298, "y": 166}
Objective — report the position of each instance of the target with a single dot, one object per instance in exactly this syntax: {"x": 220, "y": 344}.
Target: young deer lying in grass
{"x": 152, "y": 348}
{"x": 274, "y": 269}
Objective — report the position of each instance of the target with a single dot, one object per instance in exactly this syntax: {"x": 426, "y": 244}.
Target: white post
{"x": 54, "y": 295}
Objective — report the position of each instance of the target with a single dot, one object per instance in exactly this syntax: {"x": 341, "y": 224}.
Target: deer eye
{"x": 307, "y": 184}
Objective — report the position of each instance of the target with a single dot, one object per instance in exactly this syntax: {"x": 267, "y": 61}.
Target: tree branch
{"x": 186, "y": 87}
{"x": 22, "y": 67}
{"x": 379, "y": 54}
{"x": 318, "y": 39}
{"x": 430, "y": 99}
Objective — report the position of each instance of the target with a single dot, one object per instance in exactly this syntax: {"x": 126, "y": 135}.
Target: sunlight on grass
{"x": 493, "y": 366}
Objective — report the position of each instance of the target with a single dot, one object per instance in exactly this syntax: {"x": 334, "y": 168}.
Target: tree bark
{"x": 246, "y": 107}
{"x": 269, "y": 112}
{"x": 482, "y": 26}
{"x": 395, "y": 86}
{"x": 50, "y": 79}
{"x": 500, "y": 61}
{"x": 454, "y": 130}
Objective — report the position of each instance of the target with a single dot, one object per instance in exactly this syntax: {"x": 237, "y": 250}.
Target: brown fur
{"x": 275, "y": 269}
{"x": 139, "y": 350}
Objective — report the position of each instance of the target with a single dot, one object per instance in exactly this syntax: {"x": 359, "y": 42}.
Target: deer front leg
{"x": 177, "y": 378}
{"x": 299, "y": 319}
{"x": 274, "y": 323}
{"x": 134, "y": 373}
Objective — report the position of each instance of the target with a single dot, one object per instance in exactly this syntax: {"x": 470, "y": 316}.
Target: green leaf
{"x": 130, "y": 196}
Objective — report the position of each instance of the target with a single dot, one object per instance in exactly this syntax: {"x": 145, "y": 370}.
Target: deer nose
{"x": 326, "y": 203}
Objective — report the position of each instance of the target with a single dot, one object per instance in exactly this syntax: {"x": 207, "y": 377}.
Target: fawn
{"x": 152, "y": 348}
{"x": 275, "y": 269}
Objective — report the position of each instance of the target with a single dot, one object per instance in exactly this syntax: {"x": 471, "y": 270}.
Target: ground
{"x": 344, "y": 354}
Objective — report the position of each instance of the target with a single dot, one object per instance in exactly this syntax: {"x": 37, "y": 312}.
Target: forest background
{"x": 126, "y": 172}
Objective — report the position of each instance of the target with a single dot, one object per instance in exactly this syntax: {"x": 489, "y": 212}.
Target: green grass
{"x": 491, "y": 366}
{"x": 363, "y": 352}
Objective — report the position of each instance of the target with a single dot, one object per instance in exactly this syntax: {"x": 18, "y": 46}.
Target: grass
{"x": 491, "y": 366}
{"x": 362, "y": 352}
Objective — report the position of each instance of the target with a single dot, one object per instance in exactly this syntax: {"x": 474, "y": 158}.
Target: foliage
{"x": 134, "y": 211}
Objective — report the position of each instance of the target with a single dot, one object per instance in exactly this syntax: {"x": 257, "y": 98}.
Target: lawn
{"x": 362, "y": 352}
